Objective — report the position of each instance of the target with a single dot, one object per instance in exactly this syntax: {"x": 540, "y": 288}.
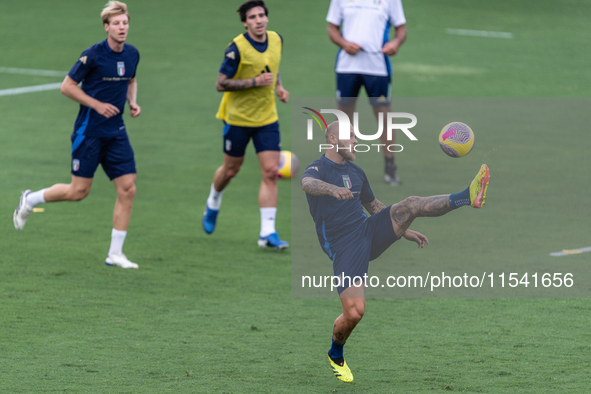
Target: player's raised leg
{"x": 222, "y": 177}
{"x": 353, "y": 302}
{"x": 77, "y": 190}
{"x": 403, "y": 213}
{"x": 268, "y": 237}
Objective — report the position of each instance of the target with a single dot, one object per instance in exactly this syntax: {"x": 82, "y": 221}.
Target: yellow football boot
{"x": 341, "y": 371}
{"x": 478, "y": 187}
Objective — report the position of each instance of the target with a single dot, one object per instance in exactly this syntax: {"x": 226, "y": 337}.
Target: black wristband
{"x": 254, "y": 82}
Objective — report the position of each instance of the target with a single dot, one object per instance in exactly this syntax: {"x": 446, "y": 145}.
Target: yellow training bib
{"x": 253, "y": 107}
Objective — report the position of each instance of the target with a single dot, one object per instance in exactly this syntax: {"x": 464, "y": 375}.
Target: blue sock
{"x": 336, "y": 350}
{"x": 460, "y": 199}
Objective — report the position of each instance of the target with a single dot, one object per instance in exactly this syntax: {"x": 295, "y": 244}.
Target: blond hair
{"x": 114, "y": 8}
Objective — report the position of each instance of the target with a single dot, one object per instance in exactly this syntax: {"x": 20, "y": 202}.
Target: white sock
{"x": 117, "y": 239}
{"x": 215, "y": 199}
{"x": 35, "y": 198}
{"x": 268, "y": 221}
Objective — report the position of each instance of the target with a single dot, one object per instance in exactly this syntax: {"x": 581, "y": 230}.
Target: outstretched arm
{"x": 316, "y": 187}
{"x": 227, "y": 84}
{"x": 374, "y": 207}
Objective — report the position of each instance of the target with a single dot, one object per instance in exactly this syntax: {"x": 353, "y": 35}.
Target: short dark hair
{"x": 250, "y": 4}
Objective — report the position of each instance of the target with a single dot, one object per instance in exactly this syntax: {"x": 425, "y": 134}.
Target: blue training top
{"x": 335, "y": 218}
{"x": 105, "y": 76}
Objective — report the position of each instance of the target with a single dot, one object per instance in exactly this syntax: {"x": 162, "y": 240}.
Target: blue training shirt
{"x": 105, "y": 76}
{"x": 333, "y": 217}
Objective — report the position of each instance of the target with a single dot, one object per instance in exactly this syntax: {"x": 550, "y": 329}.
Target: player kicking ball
{"x": 337, "y": 191}
{"x": 107, "y": 72}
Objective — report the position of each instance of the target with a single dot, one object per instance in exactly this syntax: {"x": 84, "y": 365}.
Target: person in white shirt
{"x": 361, "y": 28}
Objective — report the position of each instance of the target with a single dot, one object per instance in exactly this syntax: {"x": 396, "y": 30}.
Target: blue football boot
{"x": 272, "y": 241}
{"x": 209, "y": 218}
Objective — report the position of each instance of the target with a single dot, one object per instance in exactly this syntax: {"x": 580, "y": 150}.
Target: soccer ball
{"x": 456, "y": 139}
{"x": 288, "y": 165}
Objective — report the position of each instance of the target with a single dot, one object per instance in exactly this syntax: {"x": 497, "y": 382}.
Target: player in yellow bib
{"x": 249, "y": 77}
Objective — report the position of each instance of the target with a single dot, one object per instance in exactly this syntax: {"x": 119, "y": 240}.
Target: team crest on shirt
{"x": 347, "y": 181}
{"x": 121, "y": 68}
{"x": 75, "y": 165}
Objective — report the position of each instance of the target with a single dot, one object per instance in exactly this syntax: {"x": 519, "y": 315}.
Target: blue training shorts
{"x": 113, "y": 153}
{"x": 353, "y": 252}
{"x": 264, "y": 138}
{"x": 376, "y": 87}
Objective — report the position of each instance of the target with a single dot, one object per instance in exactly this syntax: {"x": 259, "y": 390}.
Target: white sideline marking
{"x": 419, "y": 68}
{"x": 26, "y": 71}
{"x": 479, "y": 33}
{"x": 566, "y": 252}
{"x": 29, "y": 89}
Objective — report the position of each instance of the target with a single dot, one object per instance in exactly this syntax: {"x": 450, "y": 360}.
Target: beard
{"x": 344, "y": 152}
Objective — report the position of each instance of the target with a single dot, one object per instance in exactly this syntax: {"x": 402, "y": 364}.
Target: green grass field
{"x": 214, "y": 314}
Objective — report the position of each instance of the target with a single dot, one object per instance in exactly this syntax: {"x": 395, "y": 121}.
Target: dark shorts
{"x": 376, "y": 87}
{"x": 264, "y": 138}
{"x": 352, "y": 253}
{"x": 113, "y": 153}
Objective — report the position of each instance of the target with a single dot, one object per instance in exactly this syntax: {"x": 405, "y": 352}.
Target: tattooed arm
{"x": 227, "y": 84}
{"x": 374, "y": 207}
{"x": 316, "y": 187}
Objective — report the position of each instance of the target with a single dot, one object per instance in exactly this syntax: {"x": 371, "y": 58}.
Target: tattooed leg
{"x": 353, "y": 310}
{"x": 403, "y": 213}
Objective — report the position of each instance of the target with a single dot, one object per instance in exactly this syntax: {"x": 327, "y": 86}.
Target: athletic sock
{"x": 268, "y": 221}
{"x": 117, "y": 239}
{"x": 35, "y": 198}
{"x": 460, "y": 199}
{"x": 215, "y": 199}
{"x": 336, "y": 352}
{"x": 390, "y": 168}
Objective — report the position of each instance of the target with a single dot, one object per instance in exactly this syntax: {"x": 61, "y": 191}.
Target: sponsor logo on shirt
{"x": 231, "y": 55}
{"x": 83, "y": 59}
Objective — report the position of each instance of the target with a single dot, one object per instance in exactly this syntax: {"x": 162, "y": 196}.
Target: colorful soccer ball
{"x": 456, "y": 139}
{"x": 288, "y": 165}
